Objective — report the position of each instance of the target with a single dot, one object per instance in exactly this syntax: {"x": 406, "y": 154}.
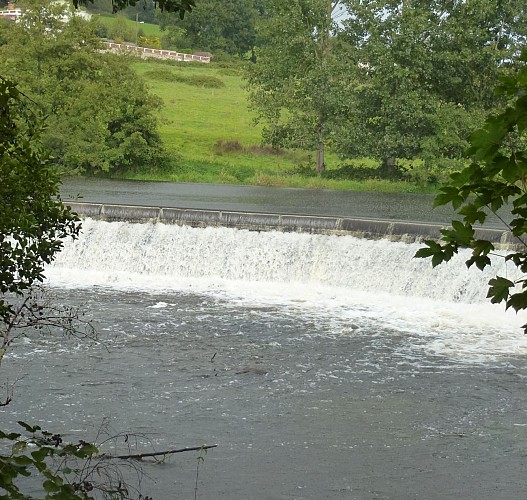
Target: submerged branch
{"x": 140, "y": 456}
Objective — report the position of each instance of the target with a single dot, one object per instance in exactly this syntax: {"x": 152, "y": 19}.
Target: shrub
{"x": 162, "y": 75}
{"x": 166, "y": 75}
{"x": 222, "y": 146}
{"x": 152, "y": 42}
{"x": 267, "y": 150}
{"x": 206, "y": 81}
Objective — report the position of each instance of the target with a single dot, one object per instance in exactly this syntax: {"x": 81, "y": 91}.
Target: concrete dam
{"x": 359, "y": 227}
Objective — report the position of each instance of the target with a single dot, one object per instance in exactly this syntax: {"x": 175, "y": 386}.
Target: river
{"x": 322, "y": 366}
{"x": 387, "y": 206}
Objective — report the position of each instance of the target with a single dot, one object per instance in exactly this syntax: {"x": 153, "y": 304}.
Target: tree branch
{"x": 140, "y": 456}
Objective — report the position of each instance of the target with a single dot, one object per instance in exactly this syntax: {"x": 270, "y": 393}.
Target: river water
{"x": 355, "y": 204}
{"x": 322, "y": 366}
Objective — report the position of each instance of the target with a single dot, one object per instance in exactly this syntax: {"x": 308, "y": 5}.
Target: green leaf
{"x": 40, "y": 454}
{"x": 518, "y": 301}
{"x": 460, "y": 234}
{"x": 86, "y": 450}
{"x": 12, "y": 436}
{"x": 499, "y": 289}
{"x": 18, "y": 447}
{"x": 51, "y": 485}
{"x": 22, "y": 460}
{"x": 432, "y": 247}
{"x": 472, "y": 213}
{"x": 481, "y": 261}
{"x": 449, "y": 195}
{"x": 30, "y": 428}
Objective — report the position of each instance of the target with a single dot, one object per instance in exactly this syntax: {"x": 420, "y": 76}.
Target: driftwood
{"x": 140, "y": 456}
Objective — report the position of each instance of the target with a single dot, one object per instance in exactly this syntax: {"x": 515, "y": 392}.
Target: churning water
{"x": 322, "y": 366}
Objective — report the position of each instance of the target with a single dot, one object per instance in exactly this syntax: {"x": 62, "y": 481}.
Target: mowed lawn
{"x": 209, "y": 129}
{"x": 197, "y": 120}
{"x": 147, "y": 28}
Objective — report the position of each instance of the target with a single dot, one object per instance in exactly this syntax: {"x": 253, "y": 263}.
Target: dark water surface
{"x": 323, "y": 367}
{"x": 392, "y": 206}
{"x": 396, "y": 206}
{"x": 303, "y": 405}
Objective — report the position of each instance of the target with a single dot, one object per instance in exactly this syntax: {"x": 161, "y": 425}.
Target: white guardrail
{"x": 161, "y": 54}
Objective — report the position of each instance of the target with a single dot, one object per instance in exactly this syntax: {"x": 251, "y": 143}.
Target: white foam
{"x": 372, "y": 283}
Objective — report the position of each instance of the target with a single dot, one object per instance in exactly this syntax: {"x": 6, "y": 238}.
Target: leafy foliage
{"x": 226, "y": 25}
{"x": 199, "y": 80}
{"x": 100, "y": 115}
{"x": 121, "y": 31}
{"x": 179, "y": 6}
{"x": 496, "y": 178}
{"x": 33, "y": 225}
{"x": 39, "y": 452}
{"x": 299, "y": 85}
{"x": 33, "y": 221}
{"x": 427, "y": 71}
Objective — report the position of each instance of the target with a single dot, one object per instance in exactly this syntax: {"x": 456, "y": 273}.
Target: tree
{"x": 427, "y": 74}
{"x": 34, "y": 224}
{"x": 298, "y": 85}
{"x": 179, "y": 6}
{"x": 227, "y": 25}
{"x": 120, "y": 31}
{"x": 496, "y": 178}
{"x": 33, "y": 220}
{"x": 100, "y": 114}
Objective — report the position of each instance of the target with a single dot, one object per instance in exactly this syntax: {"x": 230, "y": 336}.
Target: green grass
{"x": 147, "y": 28}
{"x": 210, "y": 132}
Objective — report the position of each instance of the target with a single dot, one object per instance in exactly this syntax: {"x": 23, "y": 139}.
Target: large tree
{"x": 299, "y": 85}
{"x": 100, "y": 114}
{"x": 33, "y": 221}
{"x": 428, "y": 70}
{"x": 179, "y": 6}
{"x": 227, "y": 25}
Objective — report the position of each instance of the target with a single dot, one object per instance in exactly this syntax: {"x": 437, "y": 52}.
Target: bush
{"x": 162, "y": 75}
{"x": 122, "y": 30}
{"x": 359, "y": 172}
{"x": 165, "y": 75}
{"x": 152, "y": 42}
{"x": 207, "y": 81}
{"x": 101, "y": 30}
{"x": 234, "y": 146}
{"x": 266, "y": 150}
{"x": 222, "y": 146}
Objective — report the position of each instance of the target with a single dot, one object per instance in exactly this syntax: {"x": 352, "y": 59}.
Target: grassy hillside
{"x": 209, "y": 130}
{"x": 206, "y": 122}
{"x": 148, "y": 29}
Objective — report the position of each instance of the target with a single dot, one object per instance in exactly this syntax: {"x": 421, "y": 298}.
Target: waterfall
{"x": 359, "y": 283}
{"x": 163, "y": 254}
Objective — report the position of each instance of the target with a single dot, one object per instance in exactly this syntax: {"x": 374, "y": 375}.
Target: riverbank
{"x": 210, "y": 134}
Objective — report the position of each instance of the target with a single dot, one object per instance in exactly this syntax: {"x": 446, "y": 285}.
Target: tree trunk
{"x": 321, "y": 166}
{"x": 389, "y": 169}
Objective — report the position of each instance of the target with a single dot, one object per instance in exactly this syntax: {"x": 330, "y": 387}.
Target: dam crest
{"x": 405, "y": 231}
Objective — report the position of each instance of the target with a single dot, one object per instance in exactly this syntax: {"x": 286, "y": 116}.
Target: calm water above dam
{"x": 322, "y": 366}
{"x": 392, "y": 206}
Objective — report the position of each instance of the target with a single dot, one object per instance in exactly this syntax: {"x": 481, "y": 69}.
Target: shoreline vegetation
{"x": 209, "y": 132}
